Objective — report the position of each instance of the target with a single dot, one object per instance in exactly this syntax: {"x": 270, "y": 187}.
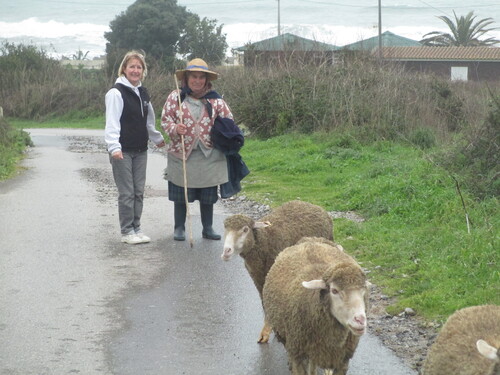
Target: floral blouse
{"x": 197, "y": 128}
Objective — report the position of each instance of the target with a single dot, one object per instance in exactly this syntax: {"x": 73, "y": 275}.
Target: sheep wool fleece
{"x": 289, "y": 223}
{"x": 300, "y": 317}
{"x": 455, "y": 352}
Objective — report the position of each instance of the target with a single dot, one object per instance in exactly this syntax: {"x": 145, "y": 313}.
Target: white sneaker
{"x": 131, "y": 239}
{"x": 142, "y": 236}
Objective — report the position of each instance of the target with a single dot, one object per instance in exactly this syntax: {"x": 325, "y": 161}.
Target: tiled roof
{"x": 441, "y": 53}
{"x": 287, "y": 42}
{"x": 388, "y": 40}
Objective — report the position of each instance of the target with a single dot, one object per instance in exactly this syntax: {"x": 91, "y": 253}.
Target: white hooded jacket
{"x": 114, "y": 108}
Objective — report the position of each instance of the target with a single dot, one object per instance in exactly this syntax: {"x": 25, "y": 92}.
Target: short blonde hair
{"x": 133, "y": 55}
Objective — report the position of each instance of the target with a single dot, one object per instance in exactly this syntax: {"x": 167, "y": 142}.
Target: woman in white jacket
{"x": 130, "y": 123}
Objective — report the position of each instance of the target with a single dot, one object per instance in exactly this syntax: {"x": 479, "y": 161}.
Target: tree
{"x": 153, "y": 26}
{"x": 203, "y": 39}
{"x": 156, "y": 27}
{"x": 464, "y": 32}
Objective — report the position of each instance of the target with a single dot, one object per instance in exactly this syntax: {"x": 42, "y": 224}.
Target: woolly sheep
{"x": 259, "y": 242}
{"x": 467, "y": 344}
{"x": 315, "y": 298}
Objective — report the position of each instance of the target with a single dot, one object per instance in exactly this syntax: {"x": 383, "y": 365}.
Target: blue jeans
{"x": 130, "y": 179}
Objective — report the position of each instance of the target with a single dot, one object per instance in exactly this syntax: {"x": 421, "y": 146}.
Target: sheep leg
{"x": 299, "y": 368}
{"x": 265, "y": 332}
{"x": 328, "y": 372}
{"x": 311, "y": 368}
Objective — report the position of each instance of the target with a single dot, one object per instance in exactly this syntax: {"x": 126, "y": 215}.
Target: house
{"x": 84, "y": 64}
{"x": 388, "y": 39}
{"x": 456, "y": 63}
{"x": 286, "y": 48}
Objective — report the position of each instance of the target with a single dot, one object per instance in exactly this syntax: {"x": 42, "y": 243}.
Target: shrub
{"x": 12, "y": 144}
{"x": 35, "y": 85}
{"x": 475, "y": 156}
{"x": 372, "y": 100}
{"x": 423, "y": 138}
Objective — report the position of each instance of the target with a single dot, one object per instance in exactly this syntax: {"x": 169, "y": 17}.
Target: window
{"x": 459, "y": 73}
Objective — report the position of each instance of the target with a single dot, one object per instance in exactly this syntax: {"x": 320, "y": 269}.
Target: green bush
{"x": 475, "y": 157}
{"x": 13, "y": 142}
{"x": 448, "y": 104}
{"x": 35, "y": 86}
{"x": 372, "y": 100}
{"x": 423, "y": 138}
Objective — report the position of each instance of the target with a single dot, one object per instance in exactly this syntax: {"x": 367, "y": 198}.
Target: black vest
{"x": 134, "y": 133}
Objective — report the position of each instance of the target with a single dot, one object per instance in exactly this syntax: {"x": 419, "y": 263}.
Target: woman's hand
{"x": 117, "y": 155}
{"x": 180, "y": 129}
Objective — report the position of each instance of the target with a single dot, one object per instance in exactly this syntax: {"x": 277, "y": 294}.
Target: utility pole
{"x": 279, "y": 26}
{"x": 379, "y": 30}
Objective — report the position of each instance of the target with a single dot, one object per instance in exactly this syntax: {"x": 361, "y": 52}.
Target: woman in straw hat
{"x": 206, "y": 167}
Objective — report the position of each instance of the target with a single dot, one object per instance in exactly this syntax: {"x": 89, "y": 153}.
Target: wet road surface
{"x": 74, "y": 300}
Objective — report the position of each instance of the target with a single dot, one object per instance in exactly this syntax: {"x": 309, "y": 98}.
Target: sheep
{"x": 467, "y": 344}
{"x": 315, "y": 297}
{"x": 258, "y": 242}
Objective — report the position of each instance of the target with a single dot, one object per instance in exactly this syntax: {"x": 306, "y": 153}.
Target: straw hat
{"x": 196, "y": 65}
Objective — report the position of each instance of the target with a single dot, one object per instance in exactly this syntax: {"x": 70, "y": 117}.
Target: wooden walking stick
{"x": 184, "y": 166}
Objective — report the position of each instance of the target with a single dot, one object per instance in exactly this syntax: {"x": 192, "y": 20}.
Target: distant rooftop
{"x": 288, "y": 42}
{"x": 388, "y": 40}
{"x": 441, "y": 53}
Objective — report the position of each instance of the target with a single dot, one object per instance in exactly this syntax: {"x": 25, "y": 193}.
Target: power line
{"x": 89, "y": 3}
{"x": 433, "y": 7}
{"x": 337, "y": 4}
{"x": 224, "y": 2}
{"x": 423, "y": 2}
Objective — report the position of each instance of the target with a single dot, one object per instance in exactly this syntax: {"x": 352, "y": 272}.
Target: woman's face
{"x": 133, "y": 71}
{"x": 196, "y": 81}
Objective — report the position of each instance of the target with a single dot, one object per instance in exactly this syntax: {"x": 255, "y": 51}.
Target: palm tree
{"x": 464, "y": 32}
{"x": 79, "y": 55}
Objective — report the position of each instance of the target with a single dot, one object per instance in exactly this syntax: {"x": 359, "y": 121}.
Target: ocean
{"x": 64, "y": 27}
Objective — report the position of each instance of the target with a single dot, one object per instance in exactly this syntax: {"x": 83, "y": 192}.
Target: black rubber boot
{"x": 207, "y": 215}
{"x": 179, "y": 221}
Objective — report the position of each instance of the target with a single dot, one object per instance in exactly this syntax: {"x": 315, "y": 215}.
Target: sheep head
{"x": 346, "y": 292}
{"x": 238, "y": 234}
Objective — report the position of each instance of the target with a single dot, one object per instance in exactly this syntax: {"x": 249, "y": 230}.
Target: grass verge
{"x": 73, "y": 122}
{"x": 414, "y": 241}
{"x": 13, "y": 142}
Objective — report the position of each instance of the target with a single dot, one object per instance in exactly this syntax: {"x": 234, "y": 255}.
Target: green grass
{"x": 13, "y": 143}
{"x": 414, "y": 240}
{"x": 68, "y": 122}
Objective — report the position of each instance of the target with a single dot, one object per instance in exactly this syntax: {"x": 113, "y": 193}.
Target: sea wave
{"x": 32, "y": 27}
{"x": 67, "y": 38}
{"x": 57, "y": 38}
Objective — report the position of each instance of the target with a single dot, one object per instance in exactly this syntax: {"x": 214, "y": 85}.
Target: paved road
{"x": 74, "y": 300}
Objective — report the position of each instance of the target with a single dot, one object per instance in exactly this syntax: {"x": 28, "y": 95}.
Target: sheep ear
{"x": 487, "y": 350}
{"x": 261, "y": 224}
{"x": 314, "y": 284}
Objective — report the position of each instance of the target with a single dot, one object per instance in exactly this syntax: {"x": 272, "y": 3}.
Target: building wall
{"x": 85, "y": 64}
{"x": 478, "y": 71}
